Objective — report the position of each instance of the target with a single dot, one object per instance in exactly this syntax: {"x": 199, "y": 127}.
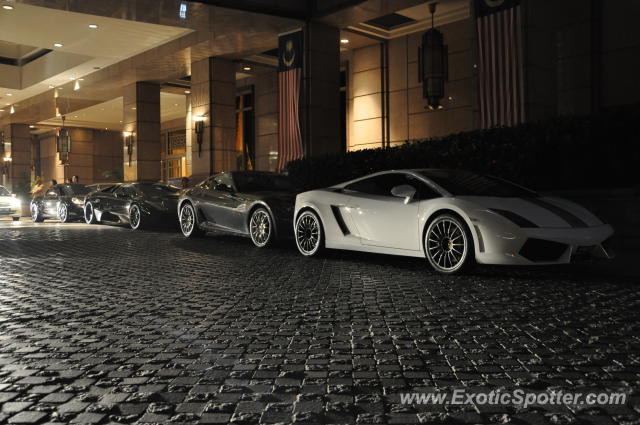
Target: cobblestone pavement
{"x": 101, "y": 324}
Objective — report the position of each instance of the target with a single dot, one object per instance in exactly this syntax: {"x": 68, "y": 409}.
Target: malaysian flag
{"x": 500, "y": 78}
{"x": 289, "y": 78}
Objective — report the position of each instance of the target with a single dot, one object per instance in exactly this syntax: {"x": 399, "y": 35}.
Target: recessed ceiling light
{"x": 32, "y": 126}
{"x": 187, "y": 92}
{"x": 7, "y": 7}
{"x": 247, "y": 68}
{"x": 75, "y": 116}
{"x": 344, "y": 40}
{"x": 93, "y": 26}
{"x": 58, "y": 44}
{"x": 51, "y": 87}
{"x": 1, "y": 110}
{"x": 9, "y": 94}
{"x": 72, "y": 78}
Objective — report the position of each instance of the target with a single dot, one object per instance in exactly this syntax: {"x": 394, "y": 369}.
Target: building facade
{"x": 185, "y": 89}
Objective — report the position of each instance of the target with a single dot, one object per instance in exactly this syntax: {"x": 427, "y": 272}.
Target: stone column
{"x": 20, "y": 167}
{"x": 213, "y": 100}
{"x": 320, "y": 97}
{"x": 142, "y": 119}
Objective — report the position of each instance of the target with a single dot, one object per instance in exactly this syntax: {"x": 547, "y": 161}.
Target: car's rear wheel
{"x": 90, "y": 214}
{"x": 309, "y": 235}
{"x": 448, "y": 244}
{"x": 63, "y": 213}
{"x": 136, "y": 221}
{"x": 261, "y": 227}
{"x": 36, "y": 214}
{"x": 188, "y": 221}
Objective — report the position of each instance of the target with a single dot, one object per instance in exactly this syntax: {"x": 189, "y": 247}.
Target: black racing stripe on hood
{"x": 571, "y": 219}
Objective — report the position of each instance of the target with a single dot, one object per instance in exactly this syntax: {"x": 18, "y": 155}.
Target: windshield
{"x": 464, "y": 183}
{"x": 75, "y": 189}
{"x": 156, "y": 189}
{"x": 4, "y": 191}
{"x": 261, "y": 182}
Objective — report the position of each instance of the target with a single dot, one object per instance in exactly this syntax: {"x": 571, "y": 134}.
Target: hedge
{"x": 570, "y": 152}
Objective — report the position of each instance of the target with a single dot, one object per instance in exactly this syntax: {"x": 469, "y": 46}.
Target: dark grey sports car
{"x": 61, "y": 201}
{"x": 249, "y": 203}
{"x": 138, "y": 204}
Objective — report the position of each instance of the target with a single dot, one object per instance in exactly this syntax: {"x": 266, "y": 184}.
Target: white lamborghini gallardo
{"x": 451, "y": 217}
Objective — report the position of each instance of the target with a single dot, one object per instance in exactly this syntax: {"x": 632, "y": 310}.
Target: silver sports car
{"x": 453, "y": 218}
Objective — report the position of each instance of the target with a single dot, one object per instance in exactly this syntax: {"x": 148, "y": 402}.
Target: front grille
{"x": 540, "y": 250}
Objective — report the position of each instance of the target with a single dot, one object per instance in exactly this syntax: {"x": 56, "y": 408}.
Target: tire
{"x": 309, "y": 234}
{"x": 63, "y": 213}
{"x": 36, "y": 214}
{"x": 448, "y": 244}
{"x": 188, "y": 221}
{"x": 16, "y": 218}
{"x": 90, "y": 214}
{"x": 136, "y": 220}
{"x": 261, "y": 228}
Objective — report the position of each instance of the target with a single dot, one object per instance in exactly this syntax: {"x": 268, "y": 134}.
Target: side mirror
{"x": 404, "y": 191}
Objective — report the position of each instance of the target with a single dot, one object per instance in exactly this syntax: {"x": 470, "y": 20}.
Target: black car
{"x": 138, "y": 204}
{"x": 61, "y": 201}
{"x": 249, "y": 203}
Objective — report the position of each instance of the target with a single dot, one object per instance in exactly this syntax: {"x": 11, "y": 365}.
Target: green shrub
{"x": 573, "y": 152}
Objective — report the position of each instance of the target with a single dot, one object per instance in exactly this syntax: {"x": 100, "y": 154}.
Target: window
{"x": 75, "y": 189}
{"x": 381, "y": 185}
{"x": 4, "y": 191}
{"x": 176, "y": 142}
{"x": 122, "y": 191}
{"x": 461, "y": 183}
{"x": 222, "y": 179}
{"x": 156, "y": 189}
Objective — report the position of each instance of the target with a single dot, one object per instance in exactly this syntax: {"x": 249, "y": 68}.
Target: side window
{"x": 120, "y": 191}
{"x": 424, "y": 191}
{"x": 379, "y": 185}
{"x": 206, "y": 184}
{"x": 131, "y": 191}
{"x": 222, "y": 179}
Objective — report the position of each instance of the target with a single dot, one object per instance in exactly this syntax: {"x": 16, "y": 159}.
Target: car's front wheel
{"x": 308, "y": 234}
{"x": 136, "y": 220}
{"x": 90, "y": 214}
{"x": 36, "y": 214}
{"x": 188, "y": 221}
{"x": 261, "y": 227}
{"x": 448, "y": 244}
{"x": 63, "y": 213}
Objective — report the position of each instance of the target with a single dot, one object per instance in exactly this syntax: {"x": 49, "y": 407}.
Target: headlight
{"x": 77, "y": 201}
{"x": 513, "y": 217}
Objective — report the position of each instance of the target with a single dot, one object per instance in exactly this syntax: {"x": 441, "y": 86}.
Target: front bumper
{"x": 541, "y": 246}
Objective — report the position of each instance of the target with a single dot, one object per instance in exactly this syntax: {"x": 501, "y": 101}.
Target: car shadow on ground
{"x": 224, "y": 244}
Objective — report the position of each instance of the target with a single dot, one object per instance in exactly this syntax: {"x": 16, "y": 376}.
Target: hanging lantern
{"x": 63, "y": 144}
{"x": 433, "y": 58}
